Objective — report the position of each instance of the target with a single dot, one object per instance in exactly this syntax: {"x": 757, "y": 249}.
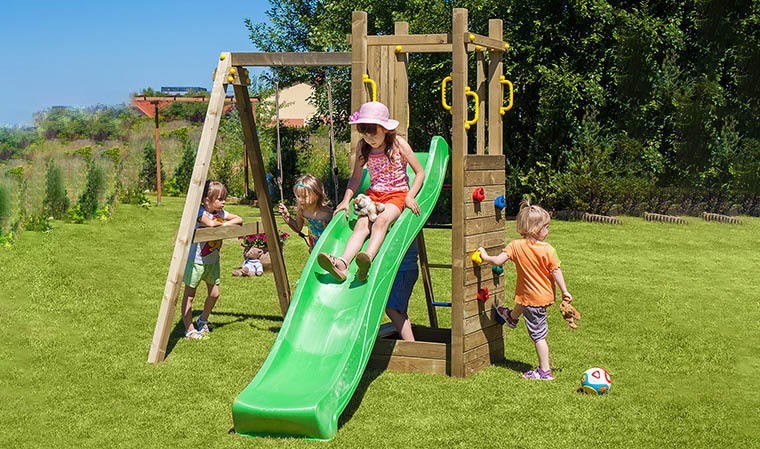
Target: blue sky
{"x": 84, "y": 52}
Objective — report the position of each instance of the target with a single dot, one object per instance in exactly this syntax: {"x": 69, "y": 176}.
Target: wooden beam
{"x": 459, "y": 150}
{"x": 358, "y": 69}
{"x": 487, "y": 42}
{"x": 401, "y": 83}
{"x": 190, "y": 213}
{"x": 291, "y": 59}
{"x": 495, "y": 69}
{"x": 480, "y": 89}
{"x": 408, "y": 39}
{"x": 225, "y": 232}
{"x": 427, "y": 281}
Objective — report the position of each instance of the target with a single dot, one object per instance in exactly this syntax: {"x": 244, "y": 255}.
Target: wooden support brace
{"x": 287, "y": 59}
{"x": 225, "y": 232}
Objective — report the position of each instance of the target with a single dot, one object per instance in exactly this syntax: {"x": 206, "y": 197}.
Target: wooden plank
{"x": 184, "y": 237}
{"x": 483, "y": 273}
{"x": 485, "y": 177}
{"x": 494, "y": 348}
{"x": 470, "y": 292}
{"x": 374, "y": 72}
{"x": 483, "y": 41}
{"x": 459, "y": 150}
{"x": 289, "y": 59}
{"x": 484, "y": 162}
{"x": 488, "y": 240}
{"x": 253, "y": 149}
{"x": 480, "y": 89}
{"x": 482, "y": 359}
{"x": 408, "y": 39}
{"x": 418, "y": 349}
{"x": 409, "y": 364}
{"x": 484, "y": 225}
{"x": 225, "y": 232}
{"x": 358, "y": 69}
{"x": 401, "y": 80}
{"x": 495, "y": 100}
{"x": 474, "y": 307}
{"x": 482, "y": 336}
{"x": 480, "y": 321}
{"x": 491, "y": 193}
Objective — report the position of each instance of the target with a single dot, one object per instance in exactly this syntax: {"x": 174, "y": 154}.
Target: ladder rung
{"x": 441, "y": 304}
{"x": 439, "y": 265}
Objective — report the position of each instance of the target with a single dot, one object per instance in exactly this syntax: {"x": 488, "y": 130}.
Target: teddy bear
{"x": 252, "y": 264}
{"x": 570, "y": 314}
{"x": 365, "y": 206}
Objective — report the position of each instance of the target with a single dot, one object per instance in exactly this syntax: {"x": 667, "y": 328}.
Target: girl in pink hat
{"x": 386, "y": 156}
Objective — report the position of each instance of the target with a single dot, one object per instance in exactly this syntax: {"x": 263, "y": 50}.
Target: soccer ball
{"x": 596, "y": 381}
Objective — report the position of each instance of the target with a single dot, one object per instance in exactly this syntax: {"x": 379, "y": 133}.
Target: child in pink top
{"x": 538, "y": 270}
{"x": 386, "y": 156}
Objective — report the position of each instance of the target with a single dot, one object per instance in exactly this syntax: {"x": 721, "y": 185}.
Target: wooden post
{"x": 459, "y": 151}
{"x": 480, "y": 89}
{"x": 158, "y": 156}
{"x": 495, "y": 121}
{"x": 358, "y": 69}
{"x": 251, "y": 139}
{"x": 400, "y": 107}
{"x": 279, "y": 148}
{"x": 190, "y": 213}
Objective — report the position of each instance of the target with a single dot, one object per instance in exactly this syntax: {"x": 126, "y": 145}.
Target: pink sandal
{"x": 327, "y": 262}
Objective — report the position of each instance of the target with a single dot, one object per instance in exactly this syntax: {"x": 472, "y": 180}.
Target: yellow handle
{"x": 503, "y": 110}
{"x": 476, "y": 257}
{"x": 367, "y": 80}
{"x": 474, "y": 120}
{"x": 443, "y": 93}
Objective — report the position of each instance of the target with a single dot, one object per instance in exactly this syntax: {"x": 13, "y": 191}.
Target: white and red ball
{"x": 596, "y": 381}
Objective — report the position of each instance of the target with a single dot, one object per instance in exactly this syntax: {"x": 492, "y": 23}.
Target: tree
{"x": 56, "y": 201}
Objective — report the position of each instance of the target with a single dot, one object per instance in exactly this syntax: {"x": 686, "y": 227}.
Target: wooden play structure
{"x": 379, "y": 71}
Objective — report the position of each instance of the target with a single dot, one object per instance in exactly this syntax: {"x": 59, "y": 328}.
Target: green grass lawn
{"x": 671, "y": 311}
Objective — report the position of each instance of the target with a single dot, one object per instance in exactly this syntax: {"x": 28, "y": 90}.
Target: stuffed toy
{"x": 365, "y": 206}
{"x": 570, "y": 314}
{"x": 252, "y": 264}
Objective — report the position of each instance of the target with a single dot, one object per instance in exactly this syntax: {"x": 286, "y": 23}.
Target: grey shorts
{"x": 535, "y": 322}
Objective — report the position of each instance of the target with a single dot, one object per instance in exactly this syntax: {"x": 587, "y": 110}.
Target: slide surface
{"x": 327, "y": 336}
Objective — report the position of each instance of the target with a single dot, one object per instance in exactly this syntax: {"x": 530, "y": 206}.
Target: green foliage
{"x": 184, "y": 171}
{"x": 5, "y": 207}
{"x": 15, "y": 141}
{"x": 672, "y": 86}
{"x": 89, "y": 201}
{"x": 38, "y": 223}
{"x": 134, "y": 195}
{"x": 56, "y": 201}
{"x": 75, "y": 214}
{"x": 148, "y": 170}
{"x": 99, "y": 123}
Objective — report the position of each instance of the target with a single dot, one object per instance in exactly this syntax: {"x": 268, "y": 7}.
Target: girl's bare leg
{"x": 380, "y": 228}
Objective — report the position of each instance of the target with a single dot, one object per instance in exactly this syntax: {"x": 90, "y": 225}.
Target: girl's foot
{"x": 333, "y": 265}
{"x": 193, "y": 335}
{"x": 364, "y": 262}
{"x": 539, "y": 374}
{"x": 503, "y": 315}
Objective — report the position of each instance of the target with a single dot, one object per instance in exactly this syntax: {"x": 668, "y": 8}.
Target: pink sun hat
{"x": 373, "y": 112}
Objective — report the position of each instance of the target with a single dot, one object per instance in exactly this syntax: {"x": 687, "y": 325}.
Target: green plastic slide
{"x": 326, "y": 339}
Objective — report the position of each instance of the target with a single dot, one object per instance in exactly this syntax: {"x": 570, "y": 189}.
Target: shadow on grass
{"x": 514, "y": 365}
{"x": 356, "y": 400}
{"x": 178, "y": 333}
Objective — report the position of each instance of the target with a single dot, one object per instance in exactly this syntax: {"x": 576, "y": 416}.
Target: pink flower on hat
{"x": 374, "y": 112}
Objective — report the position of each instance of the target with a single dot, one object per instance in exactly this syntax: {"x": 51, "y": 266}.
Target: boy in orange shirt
{"x": 537, "y": 270}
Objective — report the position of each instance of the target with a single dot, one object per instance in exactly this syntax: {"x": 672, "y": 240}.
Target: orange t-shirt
{"x": 534, "y": 262}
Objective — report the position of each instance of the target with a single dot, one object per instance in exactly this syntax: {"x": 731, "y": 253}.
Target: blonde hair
{"x": 313, "y": 185}
{"x": 214, "y": 190}
{"x": 531, "y": 219}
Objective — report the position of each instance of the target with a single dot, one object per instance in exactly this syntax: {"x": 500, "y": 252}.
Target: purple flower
{"x": 354, "y": 117}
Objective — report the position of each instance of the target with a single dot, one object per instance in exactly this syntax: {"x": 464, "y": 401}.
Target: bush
{"x": 184, "y": 171}
{"x": 89, "y": 200}
{"x": 5, "y": 207}
{"x": 148, "y": 171}
{"x": 75, "y": 215}
{"x": 38, "y": 223}
{"x": 56, "y": 201}
{"x": 134, "y": 195}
